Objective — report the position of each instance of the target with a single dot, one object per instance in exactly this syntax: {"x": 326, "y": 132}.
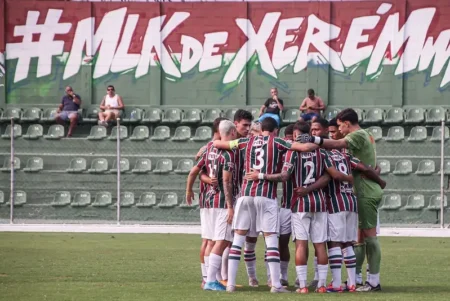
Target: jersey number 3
{"x": 259, "y": 153}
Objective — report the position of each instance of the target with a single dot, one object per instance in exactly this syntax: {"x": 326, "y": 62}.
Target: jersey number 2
{"x": 310, "y": 177}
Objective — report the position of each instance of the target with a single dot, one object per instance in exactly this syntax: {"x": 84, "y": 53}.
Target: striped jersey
{"x": 263, "y": 153}
{"x": 307, "y": 168}
{"x": 340, "y": 196}
{"x": 288, "y": 187}
{"x": 203, "y": 186}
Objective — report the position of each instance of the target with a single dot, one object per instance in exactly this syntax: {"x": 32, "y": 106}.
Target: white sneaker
{"x": 279, "y": 290}
{"x": 253, "y": 282}
{"x": 231, "y": 288}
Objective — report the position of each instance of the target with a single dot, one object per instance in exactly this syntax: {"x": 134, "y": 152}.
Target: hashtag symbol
{"x": 44, "y": 49}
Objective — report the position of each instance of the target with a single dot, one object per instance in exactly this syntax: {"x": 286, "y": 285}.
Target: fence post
{"x": 442, "y": 172}
{"x": 11, "y": 201}
{"x": 118, "y": 171}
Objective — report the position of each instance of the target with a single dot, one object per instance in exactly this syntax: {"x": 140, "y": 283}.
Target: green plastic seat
{"x": 192, "y": 116}
{"x": 414, "y": 115}
{"x": 123, "y": 133}
{"x": 7, "y": 164}
{"x": 77, "y": 165}
{"x": 98, "y": 165}
{"x": 91, "y": 114}
{"x": 147, "y": 200}
{"x": 163, "y": 166}
{"x": 161, "y": 133}
{"x": 418, "y": 134}
{"x": 2, "y": 197}
{"x": 437, "y": 133}
{"x": 446, "y": 168}
{"x": 435, "y": 115}
{"x": 20, "y": 198}
{"x": 168, "y": 200}
{"x": 194, "y": 204}
{"x": 395, "y": 133}
{"x": 229, "y": 114}
{"x": 98, "y": 132}
{"x": 394, "y": 116}
{"x": 102, "y": 199}
{"x": 55, "y": 132}
{"x": 17, "y": 131}
{"x": 331, "y": 113}
{"x": 403, "y": 167}
{"x": 184, "y": 166}
{"x": 153, "y": 115}
{"x": 11, "y": 113}
{"x": 385, "y": 166}
{"x": 291, "y": 116}
{"x": 126, "y": 199}
{"x": 34, "y": 164}
{"x": 132, "y": 116}
{"x": 415, "y": 202}
{"x": 31, "y": 115}
{"x": 49, "y": 115}
{"x": 391, "y": 202}
{"x": 426, "y": 167}
{"x": 124, "y": 166}
{"x": 202, "y": 133}
{"x": 210, "y": 115}
{"x": 182, "y": 133}
{"x": 376, "y": 132}
{"x": 373, "y": 116}
{"x": 172, "y": 116}
{"x": 142, "y": 166}
{"x": 435, "y": 202}
{"x": 140, "y": 133}
{"x": 61, "y": 199}
{"x": 35, "y": 131}
{"x": 81, "y": 199}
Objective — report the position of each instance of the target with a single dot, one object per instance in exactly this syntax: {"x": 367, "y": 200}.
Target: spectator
{"x": 311, "y": 106}
{"x": 68, "y": 109}
{"x": 112, "y": 106}
{"x": 272, "y": 107}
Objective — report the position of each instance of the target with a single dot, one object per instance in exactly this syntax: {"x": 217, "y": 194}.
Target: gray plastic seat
{"x": 34, "y": 164}
{"x": 132, "y": 116}
{"x": 391, "y": 202}
{"x": 403, "y": 167}
{"x": 35, "y": 131}
{"x": 184, "y": 166}
{"x": 142, "y": 166}
{"x": 98, "y": 132}
{"x": 172, "y": 116}
{"x": 376, "y": 132}
{"x": 192, "y": 116}
{"x": 98, "y": 165}
{"x": 163, "y": 166}
{"x": 124, "y": 165}
{"x": 229, "y": 114}
{"x": 77, "y": 165}
{"x": 331, "y": 113}
{"x": 61, "y": 199}
{"x": 2, "y": 197}
{"x": 194, "y": 204}
{"x": 446, "y": 168}
{"x": 394, "y": 116}
{"x": 55, "y": 132}
{"x": 123, "y": 133}
{"x": 31, "y": 114}
{"x": 385, "y": 166}
{"x": 20, "y": 198}
{"x": 147, "y": 200}
{"x": 140, "y": 133}
{"x": 81, "y": 199}
{"x": 182, "y": 133}
{"x": 426, "y": 167}
{"x": 168, "y": 200}
{"x": 435, "y": 202}
{"x": 102, "y": 199}
{"x": 153, "y": 115}
{"x": 414, "y": 115}
{"x": 17, "y": 131}
{"x": 7, "y": 164}
{"x": 210, "y": 115}
{"x": 255, "y": 113}
{"x": 415, "y": 202}
{"x": 373, "y": 116}
{"x": 395, "y": 133}
{"x": 437, "y": 133}
{"x": 161, "y": 133}
{"x": 281, "y": 132}
{"x": 126, "y": 199}
{"x": 11, "y": 113}
{"x": 91, "y": 114}
{"x": 202, "y": 133}
{"x": 418, "y": 134}
{"x": 291, "y": 116}
{"x": 49, "y": 115}
{"x": 435, "y": 115}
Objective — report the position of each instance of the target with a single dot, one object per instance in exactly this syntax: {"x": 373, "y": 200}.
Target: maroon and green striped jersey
{"x": 263, "y": 153}
{"x": 239, "y": 153}
{"x": 307, "y": 168}
{"x": 203, "y": 186}
{"x": 340, "y": 196}
{"x": 288, "y": 186}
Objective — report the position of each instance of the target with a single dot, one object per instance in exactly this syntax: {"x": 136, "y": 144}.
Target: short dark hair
{"x": 111, "y": 86}
{"x": 216, "y": 124}
{"x": 323, "y": 122}
{"x": 349, "y": 115}
{"x": 302, "y": 126}
{"x": 269, "y": 124}
{"x": 333, "y": 122}
{"x": 243, "y": 114}
{"x": 289, "y": 130}
{"x": 311, "y": 91}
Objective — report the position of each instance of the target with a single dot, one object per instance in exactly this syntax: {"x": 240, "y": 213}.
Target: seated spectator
{"x": 68, "y": 110}
{"x": 272, "y": 107}
{"x": 311, "y": 107}
{"x": 112, "y": 106}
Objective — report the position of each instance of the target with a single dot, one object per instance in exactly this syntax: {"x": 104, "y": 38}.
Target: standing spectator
{"x": 311, "y": 107}
{"x": 272, "y": 107}
{"x": 112, "y": 106}
{"x": 68, "y": 109}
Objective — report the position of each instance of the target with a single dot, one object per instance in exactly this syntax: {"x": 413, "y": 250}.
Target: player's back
{"x": 288, "y": 186}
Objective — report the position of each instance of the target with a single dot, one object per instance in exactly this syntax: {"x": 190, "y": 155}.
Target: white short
{"x": 218, "y": 221}
{"x": 343, "y": 226}
{"x": 256, "y": 214}
{"x": 285, "y": 221}
{"x": 204, "y": 224}
{"x": 309, "y": 226}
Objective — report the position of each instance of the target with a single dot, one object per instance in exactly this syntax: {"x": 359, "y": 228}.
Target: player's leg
{"x": 318, "y": 234}
{"x": 202, "y": 260}
{"x": 348, "y": 253}
{"x": 285, "y": 235}
{"x": 250, "y": 260}
{"x": 336, "y": 236}
{"x": 224, "y": 267}
{"x": 360, "y": 253}
{"x": 301, "y": 223}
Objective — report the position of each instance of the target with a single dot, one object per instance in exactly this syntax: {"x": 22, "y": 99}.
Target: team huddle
{"x": 331, "y": 191}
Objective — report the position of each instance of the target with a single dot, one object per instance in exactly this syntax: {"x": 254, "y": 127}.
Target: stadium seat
{"x": 446, "y": 168}
{"x": 124, "y": 166}
{"x": 142, "y": 166}
{"x": 55, "y": 132}
{"x": 7, "y": 164}
{"x": 153, "y": 115}
{"x": 2, "y": 197}
{"x": 376, "y": 132}
{"x": 61, "y": 199}
{"x": 373, "y": 116}
{"x": 172, "y": 116}
{"x": 415, "y": 202}
{"x": 123, "y": 133}
{"x": 98, "y": 165}
{"x": 102, "y": 199}
{"x": 81, "y": 199}
{"x": 147, "y": 200}
{"x": 210, "y": 115}
{"x": 35, "y": 131}
{"x": 20, "y": 198}
{"x": 34, "y": 164}
{"x": 184, "y": 166}
{"x": 77, "y": 165}
{"x": 426, "y": 167}
{"x": 291, "y": 116}
{"x": 394, "y": 116}
{"x": 126, "y": 199}
{"x": 435, "y": 202}
{"x": 194, "y": 204}
{"x": 435, "y": 115}
{"x": 140, "y": 133}
{"x": 98, "y": 132}
{"x": 360, "y": 115}
{"x": 414, "y": 115}
{"x": 182, "y": 133}
{"x": 403, "y": 167}
{"x": 17, "y": 131}
{"x": 168, "y": 200}
{"x": 436, "y": 135}
{"x": 31, "y": 115}
{"x": 395, "y": 133}
{"x": 391, "y": 202}
{"x": 331, "y": 113}
{"x": 132, "y": 116}
{"x": 91, "y": 114}
{"x": 229, "y": 114}
{"x": 191, "y": 116}
{"x": 163, "y": 166}
{"x": 385, "y": 166}
{"x": 202, "y": 133}
{"x": 255, "y": 113}
{"x": 281, "y": 132}
{"x": 49, "y": 116}
{"x": 11, "y": 113}
{"x": 161, "y": 133}
{"x": 418, "y": 134}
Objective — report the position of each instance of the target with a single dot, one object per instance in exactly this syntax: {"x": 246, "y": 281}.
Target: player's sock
{"x": 367, "y": 272}
{"x": 302, "y": 273}
{"x": 224, "y": 268}
{"x": 215, "y": 261}
{"x": 204, "y": 271}
{"x": 323, "y": 272}
{"x": 250, "y": 259}
{"x": 335, "y": 261}
{"x": 267, "y": 267}
{"x": 234, "y": 257}
{"x": 284, "y": 269}
{"x": 206, "y": 258}
{"x": 273, "y": 259}
{"x": 374, "y": 259}
{"x": 350, "y": 265}
{"x": 360, "y": 253}
{"x": 316, "y": 271}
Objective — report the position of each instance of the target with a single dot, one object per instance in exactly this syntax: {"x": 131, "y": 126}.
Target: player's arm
{"x": 206, "y": 179}
{"x": 339, "y": 176}
{"x": 190, "y": 182}
{"x": 304, "y": 147}
{"x": 200, "y": 152}
{"x": 321, "y": 183}
{"x": 329, "y": 143}
{"x": 228, "y": 191}
{"x": 378, "y": 170}
{"x": 255, "y": 175}
{"x": 371, "y": 174}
